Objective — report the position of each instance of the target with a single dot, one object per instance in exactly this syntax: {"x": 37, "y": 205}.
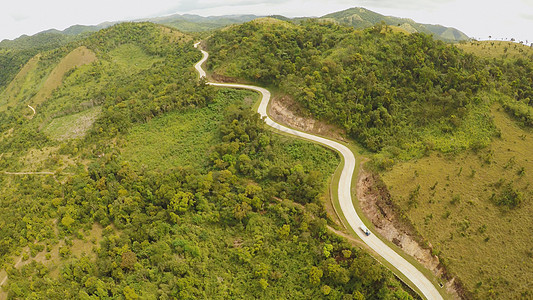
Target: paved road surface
{"x": 33, "y": 109}
{"x": 344, "y": 196}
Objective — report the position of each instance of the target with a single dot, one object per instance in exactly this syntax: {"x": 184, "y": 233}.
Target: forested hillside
{"x": 387, "y": 90}
{"x": 81, "y": 218}
{"x": 432, "y": 114}
{"x": 14, "y": 54}
{"x": 400, "y": 94}
{"x": 361, "y": 18}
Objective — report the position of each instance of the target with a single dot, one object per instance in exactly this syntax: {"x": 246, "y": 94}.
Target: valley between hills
{"x": 125, "y": 176}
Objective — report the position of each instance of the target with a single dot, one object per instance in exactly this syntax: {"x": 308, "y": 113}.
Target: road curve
{"x": 428, "y": 290}
{"x": 33, "y": 109}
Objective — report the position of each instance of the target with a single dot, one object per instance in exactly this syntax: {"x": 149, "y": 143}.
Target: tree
{"x": 181, "y": 202}
{"x": 128, "y": 261}
{"x": 129, "y": 293}
{"x": 315, "y": 274}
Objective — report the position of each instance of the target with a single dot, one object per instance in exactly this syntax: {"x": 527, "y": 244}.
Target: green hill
{"x": 498, "y": 49}
{"x": 194, "y": 23}
{"x": 15, "y": 53}
{"x": 445, "y": 129}
{"x": 134, "y": 180}
{"x": 360, "y": 18}
{"x": 404, "y": 93}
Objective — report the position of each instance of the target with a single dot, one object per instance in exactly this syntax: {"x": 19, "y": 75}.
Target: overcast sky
{"x": 476, "y": 18}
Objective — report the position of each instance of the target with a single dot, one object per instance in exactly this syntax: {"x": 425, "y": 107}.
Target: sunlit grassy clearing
{"x": 72, "y": 126}
{"x": 448, "y": 198}
{"x": 497, "y": 49}
{"x": 129, "y": 56}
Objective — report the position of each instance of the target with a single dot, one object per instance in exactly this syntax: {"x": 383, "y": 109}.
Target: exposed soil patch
{"x": 223, "y": 79}
{"x": 283, "y": 109}
{"x": 376, "y": 204}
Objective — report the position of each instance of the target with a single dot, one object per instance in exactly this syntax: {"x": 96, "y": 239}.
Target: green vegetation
{"x": 177, "y": 138}
{"x": 424, "y": 108}
{"x": 18, "y": 88}
{"x": 497, "y": 49}
{"x": 193, "y": 23}
{"x": 361, "y": 18}
{"x": 475, "y": 209}
{"x": 14, "y": 54}
{"x": 161, "y": 186}
{"x": 244, "y": 218}
{"x": 132, "y": 57}
{"x": 76, "y": 58}
{"x": 103, "y": 83}
{"x": 399, "y": 94}
{"x": 72, "y": 126}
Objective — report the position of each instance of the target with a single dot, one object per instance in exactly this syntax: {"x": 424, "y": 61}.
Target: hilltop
{"x": 15, "y": 53}
{"x": 497, "y": 49}
{"x": 382, "y": 87}
{"x": 361, "y": 18}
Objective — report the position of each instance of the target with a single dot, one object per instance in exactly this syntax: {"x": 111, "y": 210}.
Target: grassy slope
{"x": 129, "y": 56}
{"x": 177, "y": 138}
{"x": 497, "y": 49}
{"x": 78, "y": 57}
{"x": 72, "y": 126}
{"x": 489, "y": 247}
{"x": 68, "y": 80}
{"x": 37, "y": 79}
{"x": 9, "y": 95}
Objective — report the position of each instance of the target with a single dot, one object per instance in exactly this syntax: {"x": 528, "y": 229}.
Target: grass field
{"x": 497, "y": 49}
{"x": 453, "y": 202}
{"x": 185, "y": 138}
{"x": 179, "y": 138}
{"x": 72, "y": 126}
{"x": 132, "y": 57}
{"x": 9, "y": 95}
{"x": 78, "y": 57}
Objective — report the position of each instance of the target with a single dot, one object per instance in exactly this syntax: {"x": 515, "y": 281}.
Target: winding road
{"x": 33, "y": 110}
{"x": 416, "y": 277}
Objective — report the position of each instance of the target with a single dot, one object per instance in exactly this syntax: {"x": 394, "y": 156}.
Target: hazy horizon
{"x": 475, "y": 18}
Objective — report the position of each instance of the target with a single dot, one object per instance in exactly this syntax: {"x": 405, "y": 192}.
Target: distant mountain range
{"x": 361, "y": 18}
{"x": 356, "y": 17}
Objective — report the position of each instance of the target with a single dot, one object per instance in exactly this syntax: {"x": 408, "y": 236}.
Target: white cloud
{"x": 477, "y": 18}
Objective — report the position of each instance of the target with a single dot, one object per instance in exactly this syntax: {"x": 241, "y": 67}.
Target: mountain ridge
{"x": 360, "y": 18}
{"x": 357, "y": 17}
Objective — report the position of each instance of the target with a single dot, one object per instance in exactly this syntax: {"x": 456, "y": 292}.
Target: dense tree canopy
{"x": 250, "y": 224}
{"x": 386, "y": 89}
